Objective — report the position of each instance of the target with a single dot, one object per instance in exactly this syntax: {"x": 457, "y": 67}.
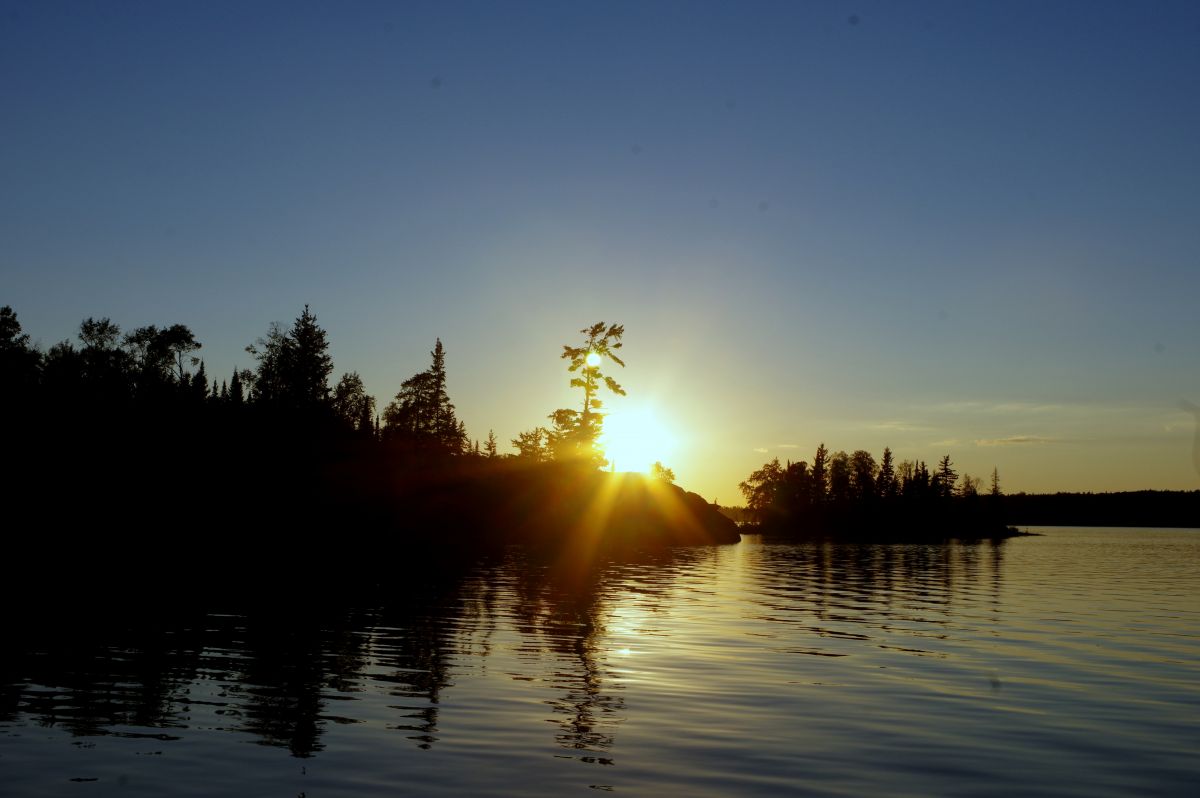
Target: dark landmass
{"x": 118, "y": 507}
{"x": 124, "y": 463}
{"x": 851, "y": 497}
{"x": 1144, "y": 508}
{"x": 940, "y": 524}
{"x": 854, "y": 497}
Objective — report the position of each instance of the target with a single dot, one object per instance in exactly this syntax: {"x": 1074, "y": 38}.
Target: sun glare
{"x": 593, "y": 360}
{"x": 634, "y": 438}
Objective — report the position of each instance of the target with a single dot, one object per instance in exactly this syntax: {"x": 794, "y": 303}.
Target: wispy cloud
{"x": 761, "y": 449}
{"x": 1017, "y": 440}
{"x": 787, "y": 446}
{"x": 898, "y": 426}
{"x": 1006, "y": 408}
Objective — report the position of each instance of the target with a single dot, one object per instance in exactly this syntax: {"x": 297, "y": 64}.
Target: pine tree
{"x": 464, "y": 442}
{"x": 236, "y": 395}
{"x": 886, "y": 483}
{"x": 199, "y": 384}
{"x": 307, "y": 364}
{"x": 293, "y": 366}
{"x": 819, "y": 474}
{"x": 576, "y": 431}
{"x": 533, "y": 445}
{"x": 490, "y": 446}
{"x": 946, "y": 477}
{"x": 422, "y": 412}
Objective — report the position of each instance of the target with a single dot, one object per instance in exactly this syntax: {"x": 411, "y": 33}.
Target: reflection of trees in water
{"x": 280, "y": 671}
{"x": 90, "y": 675}
{"x": 295, "y": 659}
{"x": 879, "y": 583}
{"x": 419, "y": 630}
{"x": 275, "y": 672}
{"x": 277, "y": 669}
{"x": 561, "y": 611}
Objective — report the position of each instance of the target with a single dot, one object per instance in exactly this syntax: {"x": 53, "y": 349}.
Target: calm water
{"x": 1067, "y": 664}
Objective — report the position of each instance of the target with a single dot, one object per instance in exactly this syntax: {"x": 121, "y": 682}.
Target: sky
{"x": 958, "y": 228}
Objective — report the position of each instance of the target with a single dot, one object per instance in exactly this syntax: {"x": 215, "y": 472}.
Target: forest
{"x": 853, "y": 496}
{"x": 850, "y": 496}
{"x": 123, "y": 440}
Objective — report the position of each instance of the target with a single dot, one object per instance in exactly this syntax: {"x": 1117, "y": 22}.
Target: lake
{"x": 1066, "y": 664}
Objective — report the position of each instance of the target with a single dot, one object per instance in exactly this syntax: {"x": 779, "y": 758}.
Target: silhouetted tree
{"x": 839, "y": 478}
{"x": 409, "y": 416}
{"x": 105, "y": 366}
{"x": 422, "y": 412}
{"x": 576, "y": 432}
{"x": 160, "y": 356}
{"x": 19, "y": 362}
{"x": 293, "y": 367}
{"x": 659, "y": 471}
{"x": 99, "y": 334}
{"x": 564, "y": 439}
{"x": 490, "y": 446}
{"x": 11, "y": 336}
{"x": 269, "y": 385}
{"x": 353, "y": 407}
{"x": 862, "y": 475}
{"x": 761, "y": 489}
{"x": 237, "y": 395}
{"x": 307, "y": 364}
{"x": 533, "y": 445}
{"x": 995, "y": 488}
{"x": 796, "y": 492}
{"x": 819, "y": 474}
{"x": 199, "y": 385}
{"x": 945, "y": 478}
{"x": 886, "y": 482}
{"x": 62, "y": 372}
{"x": 464, "y": 441}
{"x": 889, "y": 502}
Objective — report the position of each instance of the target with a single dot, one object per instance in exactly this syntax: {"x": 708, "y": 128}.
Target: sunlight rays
{"x": 635, "y": 438}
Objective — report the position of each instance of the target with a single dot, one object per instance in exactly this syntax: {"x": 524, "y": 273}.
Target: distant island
{"x": 850, "y": 497}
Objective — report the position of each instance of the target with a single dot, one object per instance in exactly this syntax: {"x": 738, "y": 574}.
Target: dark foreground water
{"x": 1067, "y": 664}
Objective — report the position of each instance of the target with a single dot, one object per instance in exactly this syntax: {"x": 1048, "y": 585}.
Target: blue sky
{"x": 945, "y": 227}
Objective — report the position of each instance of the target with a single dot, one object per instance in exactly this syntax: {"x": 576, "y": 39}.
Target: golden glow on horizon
{"x": 634, "y": 438}
{"x": 593, "y": 360}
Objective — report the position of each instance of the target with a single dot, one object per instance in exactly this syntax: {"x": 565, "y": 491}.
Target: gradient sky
{"x": 965, "y": 228}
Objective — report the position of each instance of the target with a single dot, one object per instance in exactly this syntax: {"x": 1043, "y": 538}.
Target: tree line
{"x": 122, "y": 440}
{"x": 855, "y": 494}
{"x": 150, "y": 372}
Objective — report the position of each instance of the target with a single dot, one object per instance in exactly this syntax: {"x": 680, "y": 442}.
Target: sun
{"x": 593, "y": 360}
{"x": 634, "y": 438}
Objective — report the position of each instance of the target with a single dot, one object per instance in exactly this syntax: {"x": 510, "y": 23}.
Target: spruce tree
{"x": 886, "y": 483}
{"x": 946, "y": 477}
{"x": 236, "y": 395}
